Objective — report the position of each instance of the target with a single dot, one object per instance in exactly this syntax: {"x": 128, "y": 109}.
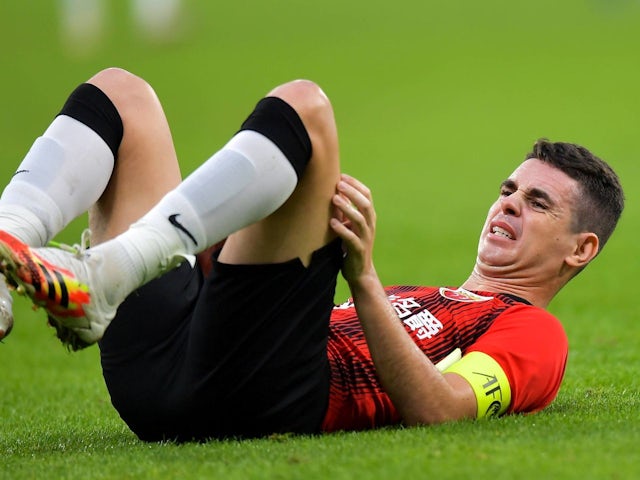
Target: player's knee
{"x": 309, "y": 101}
{"x": 115, "y": 77}
{"x": 301, "y": 93}
{"x": 124, "y": 88}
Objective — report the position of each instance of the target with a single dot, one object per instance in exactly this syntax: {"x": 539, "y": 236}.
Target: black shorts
{"x": 241, "y": 353}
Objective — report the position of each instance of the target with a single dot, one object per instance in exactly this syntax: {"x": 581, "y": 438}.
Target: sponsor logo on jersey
{"x": 462, "y": 295}
{"x": 418, "y": 320}
{"x": 424, "y": 325}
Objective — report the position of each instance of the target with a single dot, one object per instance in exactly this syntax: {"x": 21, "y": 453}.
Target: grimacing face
{"x": 527, "y": 234}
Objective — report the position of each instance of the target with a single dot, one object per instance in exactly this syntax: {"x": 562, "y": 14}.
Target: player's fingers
{"x": 357, "y": 184}
{"x": 345, "y": 233}
{"x": 355, "y": 190}
{"x": 348, "y": 212}
{"x": 359, "y": 195}
{"x": 352, "y": 242}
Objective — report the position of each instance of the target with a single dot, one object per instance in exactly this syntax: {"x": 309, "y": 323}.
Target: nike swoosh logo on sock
{"x": 173, "y": 220}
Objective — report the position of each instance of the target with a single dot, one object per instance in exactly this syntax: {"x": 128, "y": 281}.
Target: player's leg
{"x": 258, "y": 338}
{"x": 300, "y": 226}
{"x": 249, "y": 321}
{"x": 71, "y": 169}
{"x": 245, "y": 181}
{"x": 61, "y": 176}
{"x": 147, "y": 166}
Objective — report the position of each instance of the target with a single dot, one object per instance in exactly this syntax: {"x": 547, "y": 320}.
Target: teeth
{"x": 501, "y": 231}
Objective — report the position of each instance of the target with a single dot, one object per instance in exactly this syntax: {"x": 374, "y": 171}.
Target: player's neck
{"x": 536, "y": 294}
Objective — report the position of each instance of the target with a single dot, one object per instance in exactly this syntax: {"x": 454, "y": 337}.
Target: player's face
{"x": 528, "y": 231}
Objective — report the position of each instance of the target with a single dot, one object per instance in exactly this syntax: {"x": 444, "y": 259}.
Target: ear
{"x": 586, "y": 249}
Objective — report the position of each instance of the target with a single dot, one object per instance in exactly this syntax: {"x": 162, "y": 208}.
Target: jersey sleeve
{"x": 531, "y": 346}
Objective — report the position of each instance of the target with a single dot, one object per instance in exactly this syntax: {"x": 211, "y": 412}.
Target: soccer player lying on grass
{"x": 246, "y": 341}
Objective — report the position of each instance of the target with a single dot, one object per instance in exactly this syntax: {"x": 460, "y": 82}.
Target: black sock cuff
{"x": 91, "y": 106}
{"x": 279, "y": 122}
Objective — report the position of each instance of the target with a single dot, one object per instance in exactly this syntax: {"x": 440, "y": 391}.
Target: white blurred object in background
{"x": 84, "y": 22}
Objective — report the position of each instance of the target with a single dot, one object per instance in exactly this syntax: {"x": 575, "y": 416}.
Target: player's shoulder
{"x": 518, "y": 306}
{"x": 532, "y": 317}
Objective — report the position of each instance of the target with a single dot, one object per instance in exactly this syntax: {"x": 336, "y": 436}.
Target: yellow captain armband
{"x": 488, "y": 380}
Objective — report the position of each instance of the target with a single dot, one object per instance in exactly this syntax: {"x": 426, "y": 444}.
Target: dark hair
{"x": 601, "y": 199}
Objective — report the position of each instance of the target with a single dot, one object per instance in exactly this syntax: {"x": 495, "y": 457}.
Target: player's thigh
{"x": 301, "y": 225}
{"x": 146, "y": 166}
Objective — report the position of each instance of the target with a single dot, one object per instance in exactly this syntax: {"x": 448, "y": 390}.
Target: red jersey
{"x": 528, "y": 342}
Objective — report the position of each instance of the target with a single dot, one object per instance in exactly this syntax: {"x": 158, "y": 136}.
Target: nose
{"x": 511, "y": 204}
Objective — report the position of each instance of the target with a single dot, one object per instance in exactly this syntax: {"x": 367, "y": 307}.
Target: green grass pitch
{"x": 436, "y": 102}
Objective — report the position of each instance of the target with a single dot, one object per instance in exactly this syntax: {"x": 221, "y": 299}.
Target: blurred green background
{"x": 436, "y": 103}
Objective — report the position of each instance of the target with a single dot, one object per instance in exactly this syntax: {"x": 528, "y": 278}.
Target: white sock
{"x": 248, "y": 179}
{"x": 63, "y": 174}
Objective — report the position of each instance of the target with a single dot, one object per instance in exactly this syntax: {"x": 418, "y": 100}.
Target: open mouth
{"x": 501, "y": 232}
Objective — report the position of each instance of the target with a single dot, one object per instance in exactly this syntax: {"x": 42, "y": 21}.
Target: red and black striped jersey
{"x": 529, "y": 344}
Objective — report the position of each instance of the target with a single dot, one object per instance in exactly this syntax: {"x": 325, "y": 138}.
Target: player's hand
{"x": 355, "y": 222}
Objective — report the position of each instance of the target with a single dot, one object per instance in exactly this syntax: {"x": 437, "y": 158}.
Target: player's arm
{"x": 419, "y": 391}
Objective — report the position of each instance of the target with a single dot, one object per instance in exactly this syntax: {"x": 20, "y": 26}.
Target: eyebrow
{"x": 533, "y": 193}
